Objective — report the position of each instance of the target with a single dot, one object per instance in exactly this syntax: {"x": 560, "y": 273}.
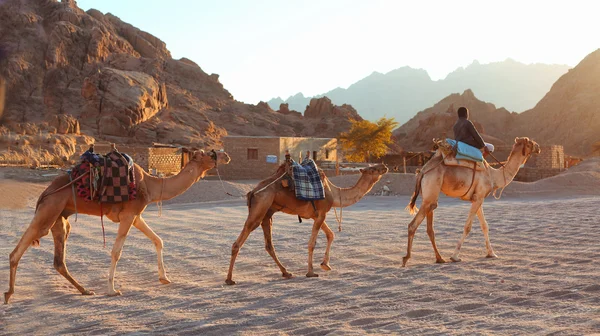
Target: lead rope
{"x": 339, "y": 220}
{"x": 223, "y": 185}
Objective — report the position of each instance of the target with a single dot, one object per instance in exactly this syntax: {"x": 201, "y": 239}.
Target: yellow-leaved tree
{"x": 367, "y": 139}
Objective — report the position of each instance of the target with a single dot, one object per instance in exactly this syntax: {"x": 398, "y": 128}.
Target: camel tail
{"x": 412, "y": 206}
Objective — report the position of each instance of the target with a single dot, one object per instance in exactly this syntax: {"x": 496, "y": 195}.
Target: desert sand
{"x": 545, "y": 280}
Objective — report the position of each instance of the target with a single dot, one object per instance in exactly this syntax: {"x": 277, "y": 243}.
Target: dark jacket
{"x": 465, "y": 131}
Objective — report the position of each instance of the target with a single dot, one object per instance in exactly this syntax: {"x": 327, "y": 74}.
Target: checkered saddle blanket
{"x": 111, "y": 178}
{"x": 307, "y": 181}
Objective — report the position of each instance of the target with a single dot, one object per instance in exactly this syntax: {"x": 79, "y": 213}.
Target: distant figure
{"x": 464, "y": 131}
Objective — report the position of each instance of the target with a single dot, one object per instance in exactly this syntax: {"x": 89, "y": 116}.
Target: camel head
{"x": 375, "y": 171}
{"x": 526, "y": 146}
{"x": 209, "y": 160}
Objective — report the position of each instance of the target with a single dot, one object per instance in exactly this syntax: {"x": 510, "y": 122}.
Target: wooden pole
{"x": 404, "y": 164}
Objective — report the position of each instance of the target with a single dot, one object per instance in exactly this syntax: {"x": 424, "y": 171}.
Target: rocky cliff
{"x": 120, "y": 84}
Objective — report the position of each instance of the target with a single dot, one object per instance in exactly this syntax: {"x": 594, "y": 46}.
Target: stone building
{"x": 257, "y": 157}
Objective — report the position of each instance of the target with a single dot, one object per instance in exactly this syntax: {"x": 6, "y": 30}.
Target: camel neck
{"x": 503, "y": 176}
{"x": 343, "y": 197}
{"x": 163, "y": 189}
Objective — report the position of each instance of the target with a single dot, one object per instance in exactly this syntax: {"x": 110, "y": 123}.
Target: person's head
{"x": 463, "y": 112}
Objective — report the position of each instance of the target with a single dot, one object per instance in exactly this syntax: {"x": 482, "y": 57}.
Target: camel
{"x": 463, "y": 183}
{"x": 269, "y": 197}
{"x": 54, "y": 208}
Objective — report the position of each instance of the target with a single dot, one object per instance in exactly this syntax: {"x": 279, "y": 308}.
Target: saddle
{"x": 108, "y": 178}
{"x": 305, "y": 179}
{"x": 448, "y": 153}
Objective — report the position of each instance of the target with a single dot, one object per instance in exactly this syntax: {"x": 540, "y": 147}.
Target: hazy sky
{"x": 267, "y": 48}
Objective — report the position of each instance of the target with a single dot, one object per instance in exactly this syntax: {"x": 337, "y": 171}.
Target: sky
{"x": 268, "y": 48}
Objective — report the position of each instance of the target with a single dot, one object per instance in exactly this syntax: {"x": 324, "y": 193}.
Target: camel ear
{"x": 361, "y": 170}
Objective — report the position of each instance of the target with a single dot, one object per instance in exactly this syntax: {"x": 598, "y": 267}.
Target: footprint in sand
{"x": 421, "y": 313}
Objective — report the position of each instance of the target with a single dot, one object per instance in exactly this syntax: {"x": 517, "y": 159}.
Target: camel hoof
{"x": 312, "y": 275}
{"x": 230, "y": 282}
{"x": 88, "y": 292}
{"x": 492, "y": 256}
{"x": 286, "y": 275}
{"x": 457, "y": 259}
{"x": 115, "y": 293}
{"x": 404, "y": 261}
{"x": 164, "y": 281}
{"x": 7, "y": 296}
{"x": 325, "y": 267}
{"x": 440, "y": 261}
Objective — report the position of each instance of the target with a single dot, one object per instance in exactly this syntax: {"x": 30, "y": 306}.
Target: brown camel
{"x": 460, "y": 182}
{"x": 53, "y": 210}
{"x": 269, "y": 197}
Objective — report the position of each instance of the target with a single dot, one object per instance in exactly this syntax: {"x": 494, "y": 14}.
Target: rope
{"x": 223, "y": 184}
{"x": 268, "y": 185}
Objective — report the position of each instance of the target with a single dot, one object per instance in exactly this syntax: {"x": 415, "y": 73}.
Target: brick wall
{"x": 240, "y": 166}
{"x": 164, "y": 159}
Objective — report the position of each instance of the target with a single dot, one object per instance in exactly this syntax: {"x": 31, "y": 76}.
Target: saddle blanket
{"x": 466, "y": 152}
{"x": 111, "y": 178}
{"x": 307, "y": 181}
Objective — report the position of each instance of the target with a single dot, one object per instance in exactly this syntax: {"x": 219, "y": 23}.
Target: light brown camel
{"x": 460, "y": 182}
{"x": 268, "y": 198}
{"x": 53, "y": 210}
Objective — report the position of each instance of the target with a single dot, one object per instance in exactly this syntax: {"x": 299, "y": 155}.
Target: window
{"x": 252, "y": 153}
{"x": 327, "y": 154}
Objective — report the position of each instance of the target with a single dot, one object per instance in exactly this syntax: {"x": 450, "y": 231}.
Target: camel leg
{"x": 330, "y": 236}
{"x": 431, "y": 234}
{"x": 124, "y": 226}
{"x": 252, "y": 222}
{"x": 40, "y": 226}
{"x": 485, "y": 229}
{"x": 267, "y": 225}
{"x": 311, "y": 246}
{"x": 141, "y": 225}
{"x": 474, "y": 208}
{"x": 412, "y": 228}
{"x": 60, "y": 232}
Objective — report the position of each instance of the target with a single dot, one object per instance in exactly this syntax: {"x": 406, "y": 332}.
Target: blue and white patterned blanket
{"x": 307, "y": 181}
{"x": 466, "y": 152}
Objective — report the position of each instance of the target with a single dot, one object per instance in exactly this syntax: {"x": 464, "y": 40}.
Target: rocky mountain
{"x": 72, "y": 72}
{"x": 402, "y": 92}
{"x": 569, "y": 114}
{"x": 494, "y": 124}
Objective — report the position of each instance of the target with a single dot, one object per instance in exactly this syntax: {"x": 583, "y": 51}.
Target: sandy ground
{"x": 545, "y": 280}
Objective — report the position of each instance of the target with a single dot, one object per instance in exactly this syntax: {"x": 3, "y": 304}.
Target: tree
{"x": 366, "y": 139}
